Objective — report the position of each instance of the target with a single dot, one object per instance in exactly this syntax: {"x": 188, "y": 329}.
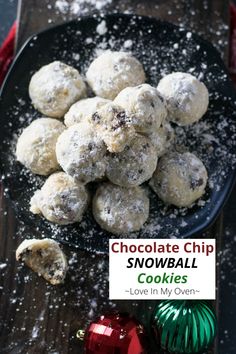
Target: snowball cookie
{"x": 179, "y": 179}
{"x": 111, "y": 72}
{"x": 144, "y": 105}
{"x": 114, "y": 126}
{"x": 134, "y": 165}
{"x": 120, "y": 210}
{"x": 55, "y": 87}
{"x": 61, "y": 199}
{"x": 83, "y": 109}
{"x": 44, "y": 257}
{"x": 82, "y": 153}
{"x": 187, "y": 98}
{"x": 162, "y": 138}
{"x": 36, "y": 146}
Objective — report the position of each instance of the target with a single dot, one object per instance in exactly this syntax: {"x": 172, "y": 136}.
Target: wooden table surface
{"x": 34, "y": 316}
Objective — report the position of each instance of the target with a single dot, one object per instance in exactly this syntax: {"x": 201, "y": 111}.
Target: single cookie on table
{"x": 144, "y": 105}
{"x": 113, "y": 126}
{"x": 134, "y": 165}
{"x": 163, "y": 138}
{"x": 55, "y": 87}
{"x": 112, "y": 71}
{"x": 44, "y": 257}
{"x": 61, "y": 199}
{"x": 120, "y": 210}
{"x": 187, "y": 98}
{"x": 180, "y": 179}
{"x": 82, "y": 153}
{"x": 36, "y": 146}
{"x": 83, "y": 109}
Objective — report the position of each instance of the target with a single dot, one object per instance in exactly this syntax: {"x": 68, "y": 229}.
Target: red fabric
{"x": 7, "y": 52}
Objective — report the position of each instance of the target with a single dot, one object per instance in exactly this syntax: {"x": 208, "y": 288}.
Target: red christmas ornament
{"x": 115, "y": 334}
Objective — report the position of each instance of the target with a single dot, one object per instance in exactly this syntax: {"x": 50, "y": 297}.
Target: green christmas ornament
{"x": 185, "y": 327}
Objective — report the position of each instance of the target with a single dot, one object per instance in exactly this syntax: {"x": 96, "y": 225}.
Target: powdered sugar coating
{"x": 120, "y": 210}
{"x": 180, "y": 179}
{"x": 79, "y": 7}
{"x": 187, "y": 98}
{"x": 112, "y": 71}
{"x": 83, "y": 109}
{"x": 36, "y": 146}
{"x": 44, "y": 257}
{"x": 61, "y": 199}
{"x": 211, "y": 139}
{"x": 163, "y": 138}
{"x": 81, "y": 152}
{"x": 113, "y": 126}
{"x": 144, "y": 105}
{"x": 133, "y": 166}
{"x": 55, "y": 87}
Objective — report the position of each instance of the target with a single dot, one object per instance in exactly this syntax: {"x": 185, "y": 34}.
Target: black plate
{"x": 162, "y": 48}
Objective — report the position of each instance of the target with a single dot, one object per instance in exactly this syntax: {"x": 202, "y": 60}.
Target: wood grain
{"x": 34, "y": 316}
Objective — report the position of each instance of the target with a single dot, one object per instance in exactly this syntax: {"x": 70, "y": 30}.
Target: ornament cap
{"x": 80, "y": 334}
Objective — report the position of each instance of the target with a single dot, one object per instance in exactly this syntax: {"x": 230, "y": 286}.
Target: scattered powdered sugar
{"x": 79, "y": 7}
{"x": 3, "y": 266}
{"x": 227, "y": 281}
{"x": 101, "y": 28}
{"x": 128, "y": 43}
{"x": 212, "y": 139}
{"x": 85, "y": 293}
{"x": 76, "y": 56}
{"x": 189, "y": 35}
{"x": 193, "y": 19}
{"x": 82, "y": 298}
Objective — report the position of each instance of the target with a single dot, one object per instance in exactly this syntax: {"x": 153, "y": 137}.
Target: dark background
{"x": 8, "y": 10}
{"x": 227, "y": 320}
